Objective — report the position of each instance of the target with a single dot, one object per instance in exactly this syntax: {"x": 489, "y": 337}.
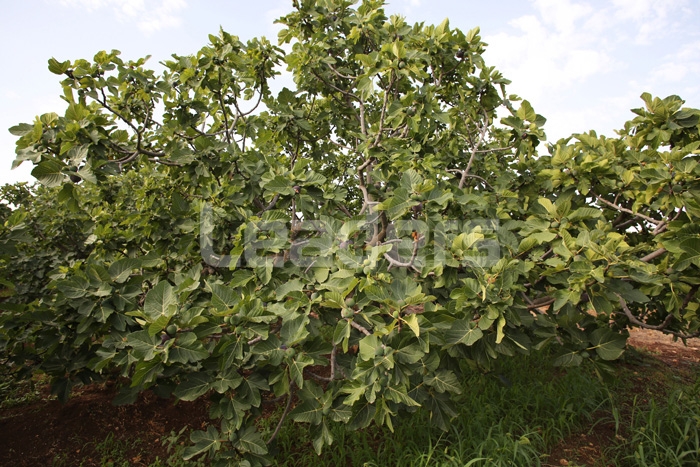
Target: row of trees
{"x": 353, "y": 246}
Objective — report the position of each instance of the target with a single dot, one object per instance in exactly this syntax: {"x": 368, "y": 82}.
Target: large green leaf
{"x": 691, "y": 253}
{"x": 608, "y": 344}
{"x": 120, "y": 270}
{"x": 160, "y": 301}
{"x": 193, "y": 386}
{"x": 462, "y": 332}
{"x": 203, "y": 442}
{"x": 50, "y": 173}
{"x": 444, "y": 381}
{"x": 250, "y": 441}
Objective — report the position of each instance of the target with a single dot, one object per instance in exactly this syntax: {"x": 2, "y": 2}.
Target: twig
{"x": 272, "y": 203}
{"x": 343, "y": 92}
{"x": 664, "y": 224}
{"x": 339, "y": 74}
{"x": 399, "y": 264}
{"x": 526, "y": 298}
{"x": 661, "y": 327}
{"x": 628, "y": 211}
{"x": 344, "y": 209}
{"x": 360, "y": 328}
{"x": 540, "y": 303}
{"x": 482, "y": 136}
{"x": 255, "y": 341}
{"x": 223, "y": 109}
{"x": 384, "y": 106}
{"x": 482, "y": 179}
{"x": 284, "y": 415}
{"x": 332, "y": 376}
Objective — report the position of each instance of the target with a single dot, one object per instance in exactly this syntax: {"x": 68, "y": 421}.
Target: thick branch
{"x": 653, "y": 255}
{"x": 661, "y": 327}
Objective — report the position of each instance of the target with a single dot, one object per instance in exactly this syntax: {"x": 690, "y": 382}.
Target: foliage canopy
{"x": 354, "y": 245}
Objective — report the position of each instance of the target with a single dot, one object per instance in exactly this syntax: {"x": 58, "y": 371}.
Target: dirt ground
{"x": 664, "y": 347}
{"x": 588, "y": 448}
{"x": 44, "y": 431}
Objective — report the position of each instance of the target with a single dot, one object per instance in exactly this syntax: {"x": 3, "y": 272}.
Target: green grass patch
{"x": 509, "y": 417}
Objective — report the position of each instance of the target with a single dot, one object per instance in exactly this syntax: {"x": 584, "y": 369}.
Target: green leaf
{"x": 294, "y": 330}
{"x": 583, "y": 214}
{"x": 499, "y": 329}
{"x": 462, "y": 332}
{"x": 368, "y": 347}
{"x": 204, "y": 442}
{"x": 444, "y": 381}
{"x": 412, "y": 322}
{"x": 222, "y": 297}
{"x": 146, "y": 372}
{"x": 120, "y": 270}
{"x": 187, "y": 349}
{"x": 193, "y": 386}
{"x": 287, "y": 288}
{"x": 307, "y": 412}
{"x": 691, "y": 253}
{"x": 280, "y": 185}
{"x": 241, "y": 277}
{"x": 296, "y": 368}
{"x": 145, "y": 345}
{"x": 57, "y": 67}
{"x": 75, "y": 287}
{"x": 50, "y": 173}
{"x": 249, "y": 440}
{"x": 160, "y": 301}
{"x": 400, "y": 396}
{"x": 608, "y": 344}
{"x": 570, "y": 358}
{"x": 526, "y": 112}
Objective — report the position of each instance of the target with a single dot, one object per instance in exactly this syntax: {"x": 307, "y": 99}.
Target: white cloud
{"x": 149, "y": 15}
{"x": 679, "y": 66}
{"x": 652, "y": 18}
{"x": 549, "y": 50}
{"x": 562, "y": 49}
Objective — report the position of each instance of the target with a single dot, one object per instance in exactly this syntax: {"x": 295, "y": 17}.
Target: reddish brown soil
{"x": 42, "y": 431}
{"x": 588, "y": 448}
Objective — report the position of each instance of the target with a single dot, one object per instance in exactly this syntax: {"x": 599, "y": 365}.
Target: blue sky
{"x": 582, "y": 64}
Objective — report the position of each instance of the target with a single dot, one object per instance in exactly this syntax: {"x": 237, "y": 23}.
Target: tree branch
{"x": 628, "y": 211}
{"x": 653, "y": 255}
{"x": 399, "y": 264}
{"x": 661, "y": 327}
{"x": 475, "y": 147}
{"x": 360, "y": 328}
{"x": 284, "y": 415}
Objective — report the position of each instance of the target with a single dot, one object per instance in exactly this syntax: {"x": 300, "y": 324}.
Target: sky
{"x": 581, "y": 64}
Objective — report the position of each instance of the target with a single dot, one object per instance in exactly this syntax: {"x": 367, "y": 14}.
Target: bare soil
{"x": 588, "y": 448}
{"x": 45, "y": 432}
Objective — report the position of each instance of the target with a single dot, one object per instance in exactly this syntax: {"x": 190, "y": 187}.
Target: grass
{"x": 515, "y": 416}
{"x": 506, "y": 418}
{"x": 14, "y": 393}
{"x": 669, "y": 433}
